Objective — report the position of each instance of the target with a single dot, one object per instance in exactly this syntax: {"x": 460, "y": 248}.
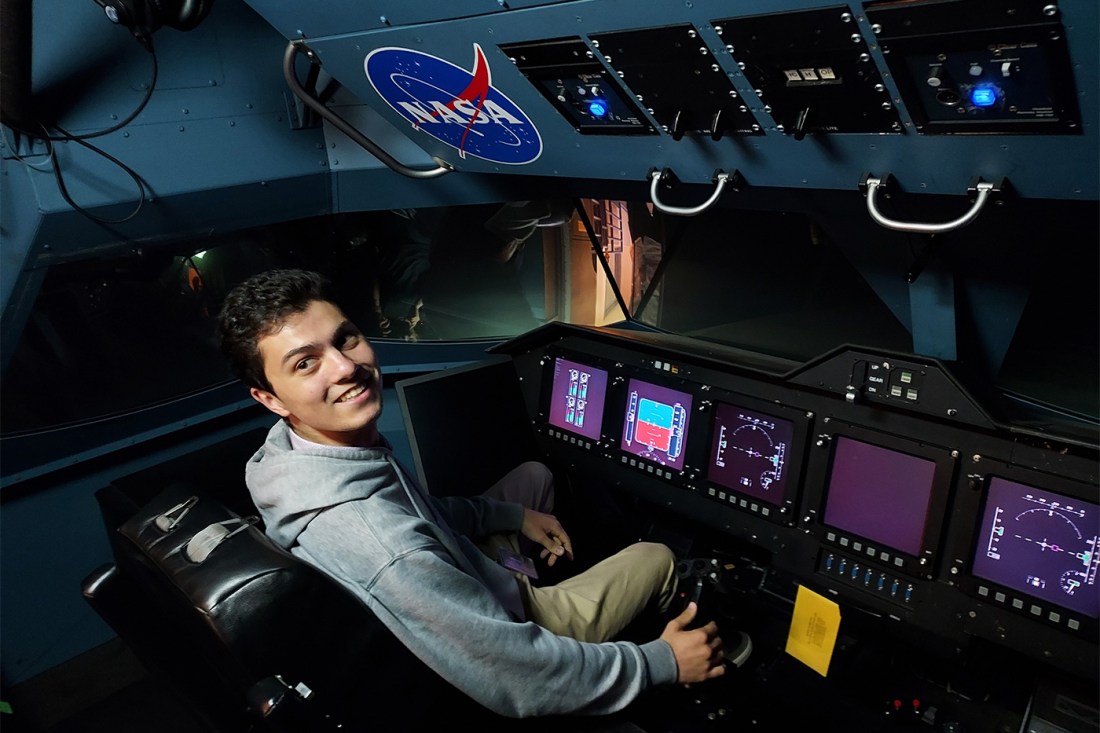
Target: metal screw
{"x": 1050, "y": 9}
{"x": 845, "y": 17}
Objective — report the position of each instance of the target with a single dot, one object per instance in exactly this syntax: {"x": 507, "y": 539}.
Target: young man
{"x": 330, "y": 491}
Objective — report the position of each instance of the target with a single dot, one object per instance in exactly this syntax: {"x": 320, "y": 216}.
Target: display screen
{"x": 577, "y": 398}
{"x": 880, "y": 494}
{"x": 1040, "y": 543}
{"x": 655, "y": 425}
{"x": 750, "y": 452}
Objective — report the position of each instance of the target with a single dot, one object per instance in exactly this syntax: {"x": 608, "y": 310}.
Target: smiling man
{"x": 329, "y": 489}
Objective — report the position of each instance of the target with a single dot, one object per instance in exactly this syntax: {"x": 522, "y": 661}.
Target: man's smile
{"x": 352, "y": 393}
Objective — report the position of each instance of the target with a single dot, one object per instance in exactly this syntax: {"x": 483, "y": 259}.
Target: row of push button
{"x": 572, "y": 439}
{"x": 858, "y": 546}
{"x": 647, "y": 467}
{"x": 762, "y": 509}
{"x": 1032, "y": 608}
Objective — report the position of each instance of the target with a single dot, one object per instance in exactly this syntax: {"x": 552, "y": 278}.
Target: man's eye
{"x": 350, "y": 341}
{"x": 304, "y": 364}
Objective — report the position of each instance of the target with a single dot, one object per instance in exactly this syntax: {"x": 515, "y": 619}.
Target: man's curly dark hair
{"x": 259, "y": 307}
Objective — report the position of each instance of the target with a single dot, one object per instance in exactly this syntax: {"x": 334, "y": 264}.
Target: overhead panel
{"x": 679, "y": 80}
{"x": 980, "y": 66}
{"x": 813, "y": 70}
{"x": 568, "y": 73}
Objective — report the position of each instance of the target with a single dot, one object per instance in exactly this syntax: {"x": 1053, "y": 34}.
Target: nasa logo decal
{"x": 455, "y": 106}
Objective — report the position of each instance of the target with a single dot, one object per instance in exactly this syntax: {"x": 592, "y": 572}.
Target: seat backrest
{"x": 250, "y": 610}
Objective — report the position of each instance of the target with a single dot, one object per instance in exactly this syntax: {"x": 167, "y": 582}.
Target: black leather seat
{"x": 256, "y": 639}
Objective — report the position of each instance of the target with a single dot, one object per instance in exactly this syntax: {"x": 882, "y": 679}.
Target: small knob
{"x": 937, "y": 77}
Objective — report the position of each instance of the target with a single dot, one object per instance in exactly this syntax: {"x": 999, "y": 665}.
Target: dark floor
{"x": 105, "y": 690}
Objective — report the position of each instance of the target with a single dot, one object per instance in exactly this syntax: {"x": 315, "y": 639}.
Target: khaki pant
{"x": 599, "y": 603}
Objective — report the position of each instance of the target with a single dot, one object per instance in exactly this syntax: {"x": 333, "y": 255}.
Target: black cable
{"x": 81, "y": 139}
{"x": 114, "y": 128}
{"x": 141, "y": 184}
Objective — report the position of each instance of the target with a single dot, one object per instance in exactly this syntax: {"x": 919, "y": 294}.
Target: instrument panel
{"x": 943, "y": 523}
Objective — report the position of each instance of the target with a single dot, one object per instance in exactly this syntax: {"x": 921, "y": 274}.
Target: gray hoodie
{"x": 356, "y": 514}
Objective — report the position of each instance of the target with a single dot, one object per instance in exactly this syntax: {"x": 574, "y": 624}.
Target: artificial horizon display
{"x": 750, "y": 453}
{"x": 1040, "y": 543}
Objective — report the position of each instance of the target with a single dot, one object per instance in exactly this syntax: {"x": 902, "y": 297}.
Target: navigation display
{"x": 880, "y": 494}
{"x": 1040, "y": 543}
{"x": 750, "y": 452}
{"x": 577, "y": 398}
{"x": 655, "y": 423}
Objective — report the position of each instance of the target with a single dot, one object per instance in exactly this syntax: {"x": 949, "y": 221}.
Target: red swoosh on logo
{"x": 475, "y": 93}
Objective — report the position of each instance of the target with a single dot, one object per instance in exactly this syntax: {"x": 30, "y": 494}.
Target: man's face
{"x": 324, "y": 377}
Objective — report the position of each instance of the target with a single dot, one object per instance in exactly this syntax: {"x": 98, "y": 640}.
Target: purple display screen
{"x": 577, "y": 398}
{"x": 655, "y": 425}
{"x": 750, "y": 452}
{"x": 1040, "y": 543}
{"x": 880, "y": 494}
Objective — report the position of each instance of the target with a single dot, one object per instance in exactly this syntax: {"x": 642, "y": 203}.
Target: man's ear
{"x": 269, "y": 400}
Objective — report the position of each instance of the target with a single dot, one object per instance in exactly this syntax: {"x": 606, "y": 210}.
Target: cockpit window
{"x": 771, "y": 282}
{"x": 1008, "y": 303}
{"x": 113, "y": 335}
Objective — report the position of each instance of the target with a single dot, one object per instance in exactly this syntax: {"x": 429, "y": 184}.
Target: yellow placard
{"x": 813, "y": 631}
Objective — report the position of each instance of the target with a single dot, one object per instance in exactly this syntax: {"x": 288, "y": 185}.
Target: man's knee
{"x": 659, "y": 563}
{"x": 539, "y": 476}
{"x": 530, "y": 483}
{"x": 656, "y": 555}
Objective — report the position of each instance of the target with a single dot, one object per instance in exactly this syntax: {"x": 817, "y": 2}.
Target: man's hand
{"x": 698, "y": 651}
{"x": 546, "y": 530}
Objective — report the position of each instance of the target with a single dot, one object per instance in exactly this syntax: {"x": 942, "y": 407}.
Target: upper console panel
{"x": 805, "y": 94}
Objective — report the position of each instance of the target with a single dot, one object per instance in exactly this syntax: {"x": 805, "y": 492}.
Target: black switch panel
{"x": 574, "y": 80}
{"x": 813, "y": 70}
{"x": 677, "y": 78}
{"x": 980, "y": 66}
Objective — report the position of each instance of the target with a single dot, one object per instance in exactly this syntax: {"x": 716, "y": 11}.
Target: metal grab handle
{"x": 344, "y": 126}
{"x": 983, "y": 189}
{"x": 655, "y": 177}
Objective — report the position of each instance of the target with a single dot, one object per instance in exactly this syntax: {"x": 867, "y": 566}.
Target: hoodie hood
{"x": 277, "y": 477}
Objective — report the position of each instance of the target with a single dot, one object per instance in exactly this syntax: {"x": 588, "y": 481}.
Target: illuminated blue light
{"x": 597, "y": 108}
{"x": 983, "y": 96}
